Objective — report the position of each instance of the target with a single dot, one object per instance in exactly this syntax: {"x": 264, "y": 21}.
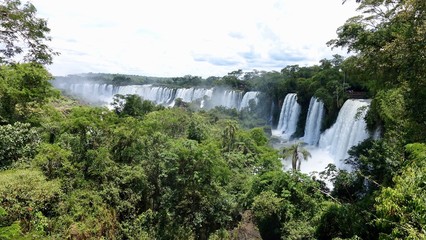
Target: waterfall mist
{"x": 289, "y": 116}
{"x": 102, "y": 94}
{"x": 314, "y": 121}
{"x": 348, "y": 130}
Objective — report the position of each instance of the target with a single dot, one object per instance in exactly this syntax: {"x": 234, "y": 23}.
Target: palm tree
{"x": 229, "y": 135}
{"x": 297, "y": 153}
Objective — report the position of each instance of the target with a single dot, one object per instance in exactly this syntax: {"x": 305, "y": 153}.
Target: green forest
{"x": 69, "y": 170}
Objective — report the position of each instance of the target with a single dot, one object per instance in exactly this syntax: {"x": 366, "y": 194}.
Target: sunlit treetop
{"x": 23, "y": 35}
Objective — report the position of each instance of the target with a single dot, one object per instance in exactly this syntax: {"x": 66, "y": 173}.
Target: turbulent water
{"x": 314, "y": 121}
{"x": 349, "y": 130}
{"x": 289, "y": 116}
{"x": 103, "y": 94}
{"x": 332, "y": 145}
{"x": 245, "y": 103}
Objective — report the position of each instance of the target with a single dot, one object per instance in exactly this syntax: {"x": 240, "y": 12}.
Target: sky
{"x": 171, "y": 38}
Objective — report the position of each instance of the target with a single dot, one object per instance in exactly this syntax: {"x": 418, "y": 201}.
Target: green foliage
{"x": 288, "y": 202}
{"x": 389, "y": 37}
{"x": 401, "y": 209}
{"x": 267, "y": 209}
{"x": 229, "y": 136}
{"x": 330, "y": 85}
{"x": 232, "y": 80}
{"x": 146, "y": 172}
{"x": 132, "y": 105}
{"x": 376, "y": 162}
{"x": 259, "y": 136}
{"x": 192, "y": 192}
{"x": 161, "y": 176}
{"x": 127, "y": 145}
{"x": 197, "y": 129}
{"x": 18, "y": 143}
{"x": 340, "y": 221}
{"x": 83, "y": 215}
{"x": 28, "y": 198}
{"x": 297, "y": 154}
{"x": 348, "y": 186}
{"x": 388, "y": 109}
{"x": 187, "y": 81}
{"x": 8, "y": 232}
{"x": 53, "y": 161}
{"x": 172, "y": 122}
{"x": 23, "y": 32}
{"x": 23, "y": 87}
{"x": 121, "y": 80}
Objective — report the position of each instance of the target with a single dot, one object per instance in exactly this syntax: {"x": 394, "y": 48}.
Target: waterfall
{"x": 349, "y": 129}
{"x": 225, "y": 98}
{"x": 207, "y": 96}
{"x": 231, "y": 99}
{"x": 314, "y": 121}
{"x": 158, "y": 95}
{"x": 246, "y": 99}
{"x": 161, "y": 95}
{"x": 94, "y": 93}
{"x": 185, "y": 94}
{"x": 271, "y": 113}
{"x": 289, "y": 116}
{"x": 191, "y": 94}
{"x": 103, "y": 94}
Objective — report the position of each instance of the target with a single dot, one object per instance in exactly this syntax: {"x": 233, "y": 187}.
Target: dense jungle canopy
{"x": 141, "y": 171}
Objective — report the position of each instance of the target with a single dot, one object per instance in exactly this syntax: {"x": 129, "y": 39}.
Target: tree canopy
{"x": 141, "y": 171}
{"x": 24, "y": 36}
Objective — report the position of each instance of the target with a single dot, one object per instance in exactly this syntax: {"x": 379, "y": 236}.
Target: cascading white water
{"x": 225, "y": 98}
{"x": 289, "y": 115}
{"x": 232, "y": 99}
{"x": 207, "y": 96}
{"x": 246, "y": 99}
{"x": 185, "y": 94}
{"x": 158, "y": 95}
{"x": 349, "y": 130}
{"x": 103, "y": 94}
{"x": 314, "y": 121}
{"x": 190, "y": 94}
{"x": 87, "y": 91}
{"x": 162, "y": 95}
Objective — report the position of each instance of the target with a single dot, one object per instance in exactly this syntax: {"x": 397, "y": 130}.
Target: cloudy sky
{"x": 197, "y": 37}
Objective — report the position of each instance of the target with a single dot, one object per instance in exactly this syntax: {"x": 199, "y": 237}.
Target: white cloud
{"x": 198, "y": 37}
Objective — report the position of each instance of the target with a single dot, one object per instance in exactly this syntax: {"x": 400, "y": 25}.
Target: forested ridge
{"x": 144, "y": 171}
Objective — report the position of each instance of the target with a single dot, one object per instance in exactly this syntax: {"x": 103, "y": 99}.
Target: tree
{"x": 297, "y": 154}
{"x": 192, "y": 197}
{"x": 8, "y": 231}
{"x": 118, "y": 80}
{"x": 229, "y": 135}
{"x": 18, "y": 142}
{"x": 21, "y": 32}
{"x": 286, "y": 205}
{"x": 23, "y": 87}
{"x": 197, "y": 130}
{"x": 27, "y": 197}
{"x": 267, "y": 212}
{"x": 402, "y": 209}
{"x": 132, "y": 105}
{"x": 84, "y": 215}
{"x": 389, "y": 39}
